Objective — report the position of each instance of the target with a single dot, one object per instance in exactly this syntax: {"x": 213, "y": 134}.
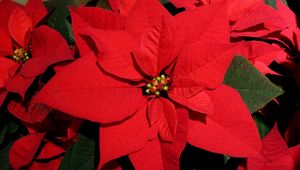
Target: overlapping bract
{"x": 119, "y": 58}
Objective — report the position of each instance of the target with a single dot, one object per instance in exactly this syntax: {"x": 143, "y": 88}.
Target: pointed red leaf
{"x": 6, "y": 9}
{"x": 143, "y": 15}
{"x": 5, "y": 43}
{"x": 200, "y": 102}
{"x": 154, "y": 111}
{"x": 54, "y": 164}
{"x": 124, "y": 137}
{"x": 122, "y": 6}
{"x": 212, "y": 23}
{"x": 115, "y": 53}
{"x": 19, "y": 26}
{"x": 37, "y": 113}
{"x": 84, "y": 17}
{"x": 6, "y": 66}
{"x": 171, "y": 152}
{"x": 274, "y": 154}
{"x": 287, "y": 14}
{"x": 168, "y": 123}
{"x": 49, "y": 151}
{"x": 205, "y": 64}
{"x": 230, "y": 130}
{"x": 97, "y": 18}
{"x": 259, "y": 51}
{"x": 153, "y": 54}
{"x": 36, "y": 10}
{"x": 102, "y": 98}
{"x": 48, "y": 47}
{"x": 237, "y": 8}
{"x": 262, "y": 16}
{"x": 149, "y": 157}
{"x": 24, "y": 149}
{"x": 19, "y": 84}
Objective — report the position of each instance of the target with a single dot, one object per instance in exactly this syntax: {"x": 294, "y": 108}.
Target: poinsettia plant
{"x": 149, "y": 84}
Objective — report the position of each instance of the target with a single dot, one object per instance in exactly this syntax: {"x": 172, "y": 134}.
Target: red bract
{"x": 275, "y": 154}
{"x": 23, "y": 151}
{"x": 236, "y": 8}
{"x": 260, "y": 54}
{"x": 28, "y": 49}
{"x": 147, "y": 69}
{"x": 122, "y": 6}
{"x": 265, "y": 23}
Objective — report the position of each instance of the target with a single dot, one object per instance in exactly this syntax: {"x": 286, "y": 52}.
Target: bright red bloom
{"x": 112, "y": 88}
{"x": 25, "y": 149}
{"x": 265, "y": 23}
{"x": 275, "y": 154}
{"x": 27, "y": 49}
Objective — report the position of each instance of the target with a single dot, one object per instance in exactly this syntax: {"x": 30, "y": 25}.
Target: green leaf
{"x": 255, "y": 89}
{"x": 272, "y": 3}
{"x": 9, "y": 128}
{"x": 103, "y": 4}
{"x": 164, "y": 1}
{"x": 80, "y": 155}
{"x": 262, "y": 126}
{"x": 59, "y": 21}
{"x": 4, "y": 157}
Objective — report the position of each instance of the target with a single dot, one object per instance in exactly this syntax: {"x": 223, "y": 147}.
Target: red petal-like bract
{"x": 5, "y": 43}
{"x": 264, "y": 22}
{"x": 19, "y": 26}
{"x": 48, "y": 47}
{"x": 153, "y": 53}
{"x": 199, "y": 102}
{"x": 274, "y": 154}
{"x": 143, "y": 15}
{"x": 35, "y": 10}
{"x": 6, "y": 9}
{"x": 122, "y": 6}
{"x": 37, "y": 113}
{"x": 123, "y": 138}
{"x": 163, "y": 155}
{"x": 154, "y": 111}
{"x": 149, "y": 157}
{"x": 171, "y": 152}
{"x": 205, "y": 63}
{"x": 6, "y": 67}
{"x": 19, "y": 84}
{"x": 230, "y": 130}
{"x": 84, "y": 17}
{"x": 49, "y": 151}
{"x": 115, "y": 53}
{"x": 24, "y": 149}
{"x": 168, "y": 124}
{"x": 102, "y": 98}
{"x": 212, "y": 23}
{"x": 53, "y": 164}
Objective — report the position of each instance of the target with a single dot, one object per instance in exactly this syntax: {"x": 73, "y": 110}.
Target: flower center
{"x": 158, "y": 85}
{"x": 21, "y": 55}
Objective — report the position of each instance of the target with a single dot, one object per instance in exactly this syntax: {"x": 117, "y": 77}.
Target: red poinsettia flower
{"x": 23, "y": 151}
{"x": 236, "y": 8}
{"x": 266, "y": 23}
{"x": 275, "y": 154}
{"x": 27, "y": 49}
{"x": 143, "y": 80}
